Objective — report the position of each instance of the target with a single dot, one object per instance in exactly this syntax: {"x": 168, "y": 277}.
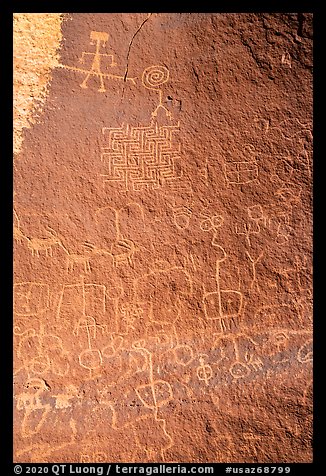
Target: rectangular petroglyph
{"x": 138, "y": 158}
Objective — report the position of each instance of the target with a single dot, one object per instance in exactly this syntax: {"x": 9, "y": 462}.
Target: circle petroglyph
{"x": 155, "y": 76}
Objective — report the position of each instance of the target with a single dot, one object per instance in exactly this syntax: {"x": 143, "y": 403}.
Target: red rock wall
{"x": 163, "y": 241}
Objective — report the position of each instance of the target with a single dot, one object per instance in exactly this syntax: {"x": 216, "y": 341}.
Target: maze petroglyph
{"x": 138, "y": 158}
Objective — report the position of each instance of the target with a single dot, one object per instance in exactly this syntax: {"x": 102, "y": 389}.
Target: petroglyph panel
{"x": 162, "y": 232}
{"x": 137, "y": 158}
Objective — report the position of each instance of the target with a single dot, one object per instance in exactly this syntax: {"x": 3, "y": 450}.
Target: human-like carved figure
{"x": 41, "y": 352}
{"x": 154, "y": 77}
{"x": 99, "y": 39}
{"x": 204, "y": 370}
{"x": 223, "y": 306}
{"x": 31, "y": 298}
{"x": 35, "y": 411}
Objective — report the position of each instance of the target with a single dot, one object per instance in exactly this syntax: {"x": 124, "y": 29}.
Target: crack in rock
{"x": 129, "y": 49}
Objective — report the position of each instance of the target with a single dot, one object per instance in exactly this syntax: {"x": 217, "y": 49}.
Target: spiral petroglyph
{"x": 155, "y": 76}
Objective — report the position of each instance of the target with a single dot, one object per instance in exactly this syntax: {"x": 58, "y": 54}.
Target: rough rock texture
{"x": 163, "y": 241}
{"x": 36, "y": 41}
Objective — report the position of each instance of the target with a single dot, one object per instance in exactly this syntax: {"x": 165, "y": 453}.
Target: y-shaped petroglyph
{"x": 253, "y": 226}
{"x": 254, "y": 262}
{"x": 99, "y": 39}
{"x": 153, "y": 77}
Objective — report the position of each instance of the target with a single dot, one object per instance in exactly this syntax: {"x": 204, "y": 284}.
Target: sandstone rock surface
{"x": 163, "y": 238}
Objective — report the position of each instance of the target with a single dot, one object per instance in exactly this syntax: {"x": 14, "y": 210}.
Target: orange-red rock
{"x": 163, "y": 238}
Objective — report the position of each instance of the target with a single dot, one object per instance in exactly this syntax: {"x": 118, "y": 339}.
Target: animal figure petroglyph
{"x": 76, "y": 259}
{"x": 121, "y": 251}
{"x": 36, "y": 245}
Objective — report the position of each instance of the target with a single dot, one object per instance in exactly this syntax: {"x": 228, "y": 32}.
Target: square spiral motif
{"x": 139, "y": 158}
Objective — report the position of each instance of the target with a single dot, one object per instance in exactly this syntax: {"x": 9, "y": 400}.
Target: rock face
{"x": 163, "y": 240}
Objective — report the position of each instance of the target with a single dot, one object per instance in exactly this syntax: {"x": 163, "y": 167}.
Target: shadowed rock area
{"x": 163, "y": 238}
